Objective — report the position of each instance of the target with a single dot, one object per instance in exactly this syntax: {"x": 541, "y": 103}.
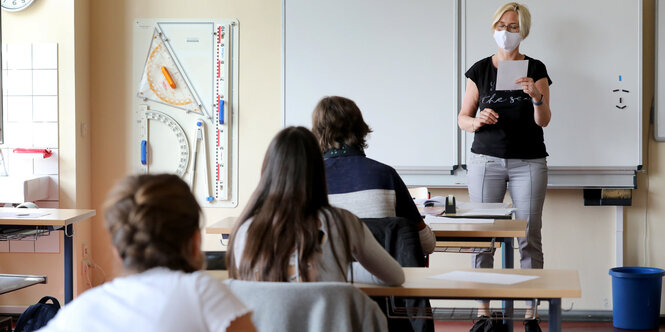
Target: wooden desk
{"x": 224, "y": 226}
{"x": 54, "y": 217}
{"x": 64, "y": 219}
{"x": 501, "y": 231}
{"x": 218, "y": 274}
{"x": 551, "y": 285}
{"x": 500, "y": 228}
{"x": 12, "y": 282}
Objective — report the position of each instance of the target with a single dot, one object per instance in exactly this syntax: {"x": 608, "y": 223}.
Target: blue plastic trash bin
{"x": 636, "y": 296}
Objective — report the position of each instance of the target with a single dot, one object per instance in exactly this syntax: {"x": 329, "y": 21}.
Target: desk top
{"x": 500, "y": 228}
{"x": 550, "y": 284}
{"x": 224, "y": 226}
{"x": 12, "y": 282}
{"x": 54, "y": 217}
{"x": 218, "y": 274}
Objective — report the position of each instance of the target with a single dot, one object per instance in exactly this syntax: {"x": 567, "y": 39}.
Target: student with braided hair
{"x": 154, "y": 224}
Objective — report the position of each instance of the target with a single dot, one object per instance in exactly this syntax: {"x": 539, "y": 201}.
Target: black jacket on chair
{"x": 399, "y": 236}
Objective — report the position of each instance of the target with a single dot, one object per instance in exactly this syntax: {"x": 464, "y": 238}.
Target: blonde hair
{"x": 523, "y": 15}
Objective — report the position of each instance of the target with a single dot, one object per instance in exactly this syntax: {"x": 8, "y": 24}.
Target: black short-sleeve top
{"x": 516, "y": 135}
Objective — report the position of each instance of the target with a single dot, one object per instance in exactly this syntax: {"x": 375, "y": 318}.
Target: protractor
{"x": 164, "y": 148}
{"x": 165, "y": 79}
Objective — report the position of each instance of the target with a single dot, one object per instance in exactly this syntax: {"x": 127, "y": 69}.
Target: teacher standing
{"x": 508, "y": 147}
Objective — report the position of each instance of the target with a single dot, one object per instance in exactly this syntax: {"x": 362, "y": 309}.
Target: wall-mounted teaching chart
{"x": 186, "y": 105}
{"x": 396, "y": 59}
{"x": 593, "y": 53}
{"x": 659, "y": 97}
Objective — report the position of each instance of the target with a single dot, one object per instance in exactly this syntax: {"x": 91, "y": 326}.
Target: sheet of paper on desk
{"x": 508, "y": 72}
{"x": 474, "y": 206}
{"x": 484, "y": 277}
{"x": 429, "y": 219}
{"x": 21, "y": 215}
{"x": 485, "y": 212}
{"x": 484, "y": 209}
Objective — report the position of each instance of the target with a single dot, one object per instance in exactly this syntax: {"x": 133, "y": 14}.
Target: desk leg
{"x": 508, "y": 259}
{"x": 69, "y": 278}
{"x": 555, "y": 315}
{"x": 508, "y": 263}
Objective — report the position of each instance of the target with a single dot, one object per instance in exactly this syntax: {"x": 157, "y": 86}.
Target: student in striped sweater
{"x": 366, "y": 187}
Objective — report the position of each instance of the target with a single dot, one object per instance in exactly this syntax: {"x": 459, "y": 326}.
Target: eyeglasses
{"x": 509, "y": 27}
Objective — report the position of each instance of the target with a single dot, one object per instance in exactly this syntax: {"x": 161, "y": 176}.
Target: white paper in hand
{"x": 508, "y": 72}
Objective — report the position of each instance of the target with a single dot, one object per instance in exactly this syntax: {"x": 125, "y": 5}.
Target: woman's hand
{"x": 486, "y": 116}
{"x": 529, "y": 87}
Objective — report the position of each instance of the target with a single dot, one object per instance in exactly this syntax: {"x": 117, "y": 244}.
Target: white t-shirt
{"x": 156, "y": 300}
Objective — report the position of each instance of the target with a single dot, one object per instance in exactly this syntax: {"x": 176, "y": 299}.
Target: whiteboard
{"x": 396, "y": 59}
{"x": 586, "y": 45}
{"x": 659, "y": 98}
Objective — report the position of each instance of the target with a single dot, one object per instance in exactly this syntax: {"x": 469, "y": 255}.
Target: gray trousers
{"x": 526, "y": 180}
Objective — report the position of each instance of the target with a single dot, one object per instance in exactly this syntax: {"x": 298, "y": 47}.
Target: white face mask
{"x": 507, "y": 40}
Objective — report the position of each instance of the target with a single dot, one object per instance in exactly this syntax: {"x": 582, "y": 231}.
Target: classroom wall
{"x": 63, "y": 22}
{"x": 79, "y": 129}
{"x": 111, "y": 72}
{"x": 575, "y": 236}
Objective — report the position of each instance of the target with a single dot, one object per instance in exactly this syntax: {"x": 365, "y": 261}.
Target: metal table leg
{"x": 508, "y": 260}
{"x": 69, "y": 266}
{"x": 508, "y": 263}
{"x": 555, "y": 315}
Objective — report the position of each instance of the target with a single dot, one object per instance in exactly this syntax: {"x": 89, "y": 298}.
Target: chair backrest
{"x": 308, "y": 306}
{"x": 399, "y": 236}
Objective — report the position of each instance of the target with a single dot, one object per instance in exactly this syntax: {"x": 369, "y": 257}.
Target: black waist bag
{"x": 37, "y": 315}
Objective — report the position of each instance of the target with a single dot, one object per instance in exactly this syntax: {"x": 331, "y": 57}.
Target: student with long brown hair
{"x": 289, "y": 231}
{"x": 154, "y": 223}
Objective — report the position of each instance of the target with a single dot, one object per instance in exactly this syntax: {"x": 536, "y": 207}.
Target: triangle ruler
{"x": 164, "y": 80}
